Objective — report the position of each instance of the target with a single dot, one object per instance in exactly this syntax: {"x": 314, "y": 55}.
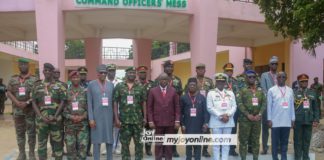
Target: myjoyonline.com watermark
{"x": 189, "y": 139}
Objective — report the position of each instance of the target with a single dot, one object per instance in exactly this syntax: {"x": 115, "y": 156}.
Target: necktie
{"x": 163, "y": 92}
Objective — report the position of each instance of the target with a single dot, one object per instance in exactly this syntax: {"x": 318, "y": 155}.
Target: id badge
{"x": 193, "y": 112}
{"x": 104, "y": 101}
{"x": 255, "y": 102}
{"x": 224, "y": 105}
{"x": 75, "y": 106}
{"x": 48, "y": 100}
{"x": 306, "y": 104}
{"x": 130, "y": 99}
{"x": 203, "y": 92}
{"x": 22, "y": 91}
{"x": 284, "y": 105}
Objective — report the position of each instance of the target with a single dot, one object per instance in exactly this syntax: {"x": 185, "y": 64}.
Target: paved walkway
{"x": 9, "y": 150}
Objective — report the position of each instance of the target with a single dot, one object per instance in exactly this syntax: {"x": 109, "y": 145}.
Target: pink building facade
{"x": 212, "y": 27}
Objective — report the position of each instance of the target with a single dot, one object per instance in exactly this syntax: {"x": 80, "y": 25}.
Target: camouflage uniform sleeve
{"x": 316, "y": 106}
{"x": 63, "y": 94}
{"x": 240, "y": 104}
{"x": 144, "y": 93}
{"x": 66, "y": 113}
{"x": 116, "y": 93}
{"x": 33, "y": 92}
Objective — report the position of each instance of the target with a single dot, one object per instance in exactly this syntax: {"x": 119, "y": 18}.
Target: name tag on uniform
{"x": 224, "y": 105}
{"x": 193, "y": 112}
{"x": 130, "y": 99}
{"x": 21, "y": 91}
{"x": 104, "y": 101}
{"x": 48, "y": 100}
{"x": 75, "y": 106}
{"x": 203, "y": 92}
{"x": 306, "y": 104}
{"x": 284, "y": 104}
{"x": 255, "y": 101}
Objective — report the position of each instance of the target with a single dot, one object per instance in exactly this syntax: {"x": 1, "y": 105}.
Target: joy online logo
{"x": 149, "y": 136}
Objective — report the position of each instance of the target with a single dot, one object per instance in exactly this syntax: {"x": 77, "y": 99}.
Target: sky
{"x": 117, "y": 42}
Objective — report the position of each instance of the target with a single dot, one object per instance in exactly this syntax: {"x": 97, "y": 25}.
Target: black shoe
{"x": 175, "y": 154}
{"x": 206, "y": 154}
{"x": 89, "y": 154}
{"x": 264, "y": 152}
{"x": 148, "y": 152}
{"x": 233, "y": 153}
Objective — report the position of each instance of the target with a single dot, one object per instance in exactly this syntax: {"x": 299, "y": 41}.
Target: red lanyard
{"x": 193, "y": 100}
{"x": 129, "y": 88}
{"x": 46, "y": 87}
{"x": 75, "y": 94}
{"x": 23, "y": 78}
{"x": 223, "y": 97}
{"x": 102, "y": 87}
{"x": 273, "y": 78}
{"x": 282, "y": 93}
{"x": 230, "y": 85}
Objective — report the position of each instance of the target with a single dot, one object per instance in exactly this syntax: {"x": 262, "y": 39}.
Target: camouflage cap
{"x": 142, "y": 69}
{"x": 247, "y": 60}
{"x": 130, "y": 69}
{"x": 111, "y": 67}
{"x": 200, "y": 65}
{"x": 82, "y": 70}
{"x": 48, "y": 66}
{"x": 274, "y": 59}
{"x": 168, "y": 63}
{"x": 101, "y": 68}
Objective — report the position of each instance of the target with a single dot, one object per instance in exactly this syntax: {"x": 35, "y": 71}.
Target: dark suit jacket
{"x": 163, "y": 111}
{"x": 194, "y": 125}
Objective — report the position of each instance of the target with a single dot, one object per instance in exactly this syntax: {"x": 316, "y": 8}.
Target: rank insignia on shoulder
{"x": 299, "y": 96}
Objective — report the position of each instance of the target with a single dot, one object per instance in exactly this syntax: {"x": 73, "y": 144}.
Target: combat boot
{"x": 148, "y": 149}
{"x": 32, "y": 153}
{"x": 21, "y": 156}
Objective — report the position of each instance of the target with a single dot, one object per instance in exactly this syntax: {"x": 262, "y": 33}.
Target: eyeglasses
{"x": 102, "y": 72}
{"x": 274, "y": 64}
{"x": 250, "y": 77}
{"x": 282, "y": 77}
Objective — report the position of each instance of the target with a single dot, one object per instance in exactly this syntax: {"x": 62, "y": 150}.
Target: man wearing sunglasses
{"x": 268, "y": 80}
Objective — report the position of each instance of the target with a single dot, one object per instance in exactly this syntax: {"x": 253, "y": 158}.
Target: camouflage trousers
{"x": 25, "y": 123}
{"x": 249, "y": 131}
{"x": 76, "y": 140}
{"x": 53, "y": 129}
{"x": 127, "y": 131}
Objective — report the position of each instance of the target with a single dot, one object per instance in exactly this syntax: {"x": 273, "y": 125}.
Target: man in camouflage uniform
{"x": 318, "y": 88}
{"x": 241, "y": 83}
{"x": 306, "y": 111}
{"x": 76, "y": 120}
{"x": 3, "y": 96}
{"x": 232, "y": 86}
{"x": 131, "y": 98}
{"x": 19, "y": 91}
{"x": 48, "y": 99}
{"x": 251, "y": 102}
{"x": 175, "y": 82}
{"x": 147, "y": 85}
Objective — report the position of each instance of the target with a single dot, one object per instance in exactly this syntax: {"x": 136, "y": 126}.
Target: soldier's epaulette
{"x": 234, "y": 78}
{"x": 259, "y": 88}
{"x": 209, "y": 78}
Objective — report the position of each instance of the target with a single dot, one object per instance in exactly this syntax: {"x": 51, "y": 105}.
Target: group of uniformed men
{"x": 107, "y": 110}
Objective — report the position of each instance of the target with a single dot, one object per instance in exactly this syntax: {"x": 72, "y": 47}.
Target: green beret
{"x": 23, "y": 60}
{"x": 130, "y": 69}
{"x": 49, "y": 66}
{"x": 111, "y": 67}
{"x": 200, "y": 65}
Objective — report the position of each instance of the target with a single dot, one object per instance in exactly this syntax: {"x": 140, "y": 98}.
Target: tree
{"x": 74, "y": 49}
{"x": 160, "y": 49}
{"x": 296, "y": 19}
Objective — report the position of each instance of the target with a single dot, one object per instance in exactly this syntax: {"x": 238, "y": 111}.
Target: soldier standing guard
{"x": 19, "y": 91}
{"x": 131, "y": 98}
{"x": 251, "y": 102}
{"x": 174, "y": 82}
{"x": 147, "y": 85}
{"x": 307, "y": 116}
{"x": 318, "y": 88}
{"x": 48, "y": 100}
{"x": 76, "y": 120}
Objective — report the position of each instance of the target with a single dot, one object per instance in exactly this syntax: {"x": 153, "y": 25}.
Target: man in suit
{"x": 268, "y": 80}
{"x": 163, "y": 111}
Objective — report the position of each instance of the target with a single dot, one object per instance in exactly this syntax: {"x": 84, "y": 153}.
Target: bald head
{"x": 163, "y": 79}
